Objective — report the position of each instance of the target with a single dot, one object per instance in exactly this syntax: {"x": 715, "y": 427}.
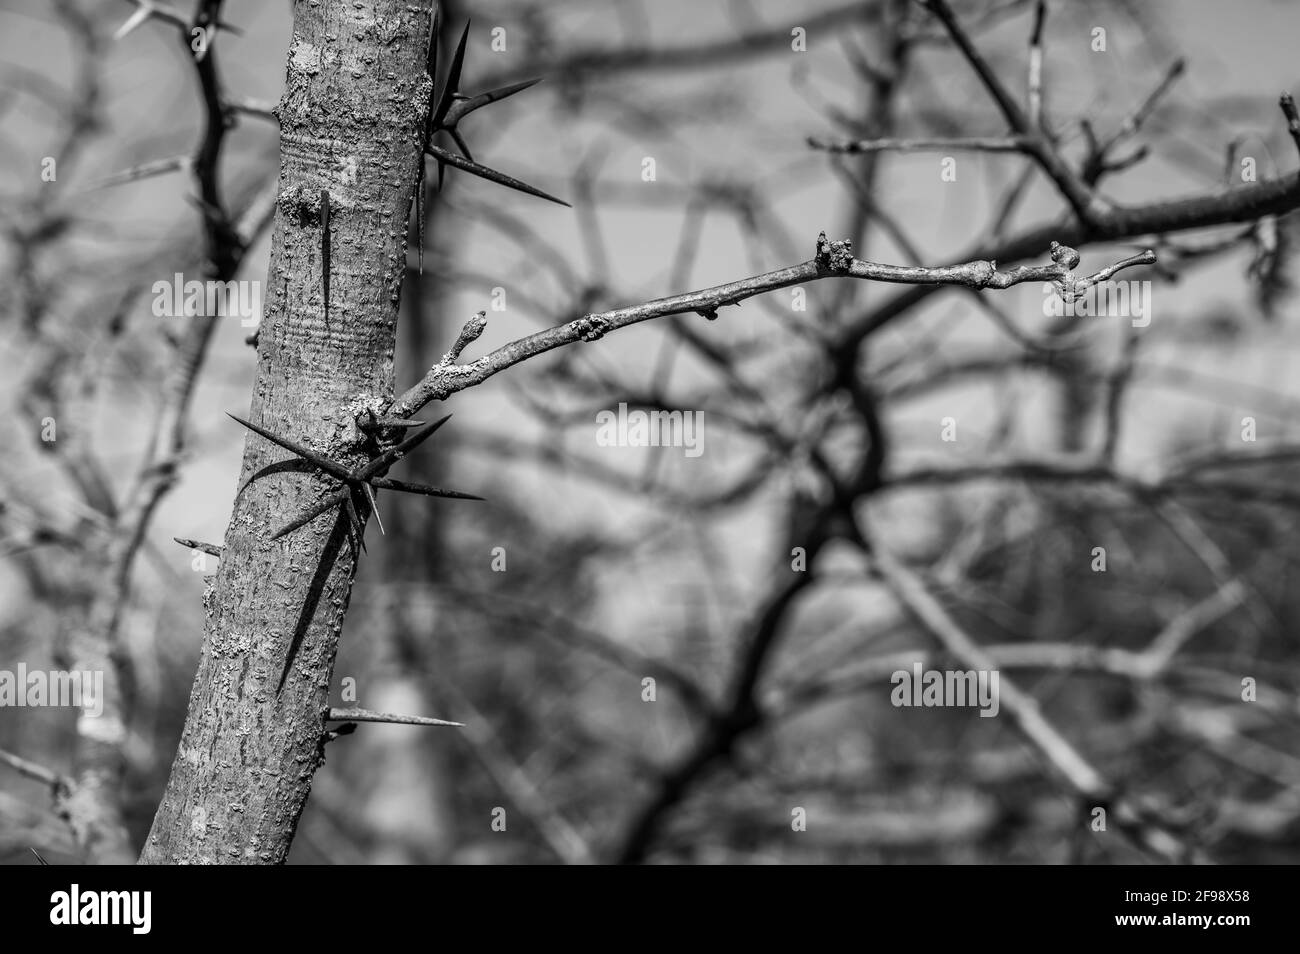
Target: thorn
{"x": 374, "y": 508}
{"x": 325, "y": 252}
{"x": 419, "y": 219}
{"x": 329, "y": 735}
{"x": 145, "y": 170}
{"x": 453, "y": 79}
{"x": 209, "y": 548}
{"x": 483, "y": 172}
{"x": 385, "y": 460}
{"x": 380, "y": 423}
{"x": 406, "y": 487}
{"x": 44, "y": 862}
{"x": 463, "y": 107}
{"x": 461, "y": 144}
{"x": 354, "y": 521}
{"x": 431, "y": 58}
{"x": 333, "y": 500}
{"x": 366, "y": 715}
{"x": 306, "y": 453}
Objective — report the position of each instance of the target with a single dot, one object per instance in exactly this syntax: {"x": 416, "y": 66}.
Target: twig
{"x": 1072, "y": 188}
{"x": 833, "y": 260}
{"x": 976, "y": 144}
{"x": 569, "y": 846}
{"x": 33, "y": 771}
{"x": 1035, "y": 81}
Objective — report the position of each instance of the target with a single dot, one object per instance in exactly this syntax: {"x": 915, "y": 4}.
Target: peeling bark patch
{"x": 304, "y": 57}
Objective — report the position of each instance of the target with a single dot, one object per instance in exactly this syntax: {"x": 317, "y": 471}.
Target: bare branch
{"x": 987, "y": 144}
{"x": 33, "y": 771}
{"x": 834, "y": 260}
{"x": 1074, "y": 190}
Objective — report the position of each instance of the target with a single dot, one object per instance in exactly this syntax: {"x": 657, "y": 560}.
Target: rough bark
{"x": 351, "y": 119}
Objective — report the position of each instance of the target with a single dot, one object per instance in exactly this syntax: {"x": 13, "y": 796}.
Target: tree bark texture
{"x": 351, "y": 122}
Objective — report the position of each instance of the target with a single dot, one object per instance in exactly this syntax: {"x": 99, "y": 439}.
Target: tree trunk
{"x": 351, "y": 121}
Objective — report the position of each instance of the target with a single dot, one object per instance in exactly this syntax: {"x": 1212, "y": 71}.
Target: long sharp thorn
{"x": 461, "y": 143}
{"x": 306, "y": 453}
{"x": 483, "y": 172}
{"x": 374, "y": 508}
{"x": 145, "y": 170}
{"x": 419, "y": 218}
{"x": 379, "y": 423}
{"x": 431, "y": 61}
{"x": 463, "y": 107}
{"x": 406, "y": 487}
{"x": 367, "y": 715}
{"x": 398, "y": 450}
{"x": 453, "y": 79}
{"x": 384, "y": 423}
{"x": 333, "y": 500}
{"x": 209, "y": 548}
{"x": 354, "y": 520}
{"x": 325, "y": 252}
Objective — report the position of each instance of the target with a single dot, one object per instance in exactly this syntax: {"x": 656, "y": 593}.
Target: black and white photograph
{"x": 651, "y": 432}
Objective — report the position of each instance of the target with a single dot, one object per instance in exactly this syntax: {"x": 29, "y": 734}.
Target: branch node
{"x": 1064, "y": 255}
{"x": 590, "y": 327}
{"x": 833, "y": 256}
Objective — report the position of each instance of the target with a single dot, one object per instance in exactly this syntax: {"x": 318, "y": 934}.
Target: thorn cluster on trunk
{"x": 362, "y": 480}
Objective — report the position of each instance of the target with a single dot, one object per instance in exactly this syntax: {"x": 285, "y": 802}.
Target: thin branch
{"x": 1035, "y": 80}
{"x": 1072, "y": 188}
{"x": 569, "y": 846}
{"x": 1166, "y": 644}
{"x": 974, "y": 144}
{"x": 833, "y": 260}
{"x": 33, "y": 771}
